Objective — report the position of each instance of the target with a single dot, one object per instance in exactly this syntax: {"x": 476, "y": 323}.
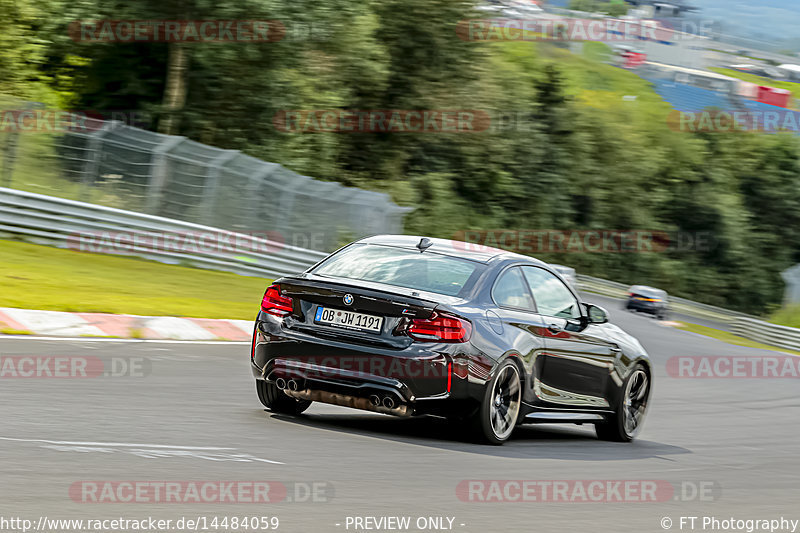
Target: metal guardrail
{"x": 118, "y": 165}
{"x": 78, "y": 225}
{"x": 747, "y": 326}
{"x": 71, "y": 224}
{"x": 758, "y": 330}
{"x": 680, "y": 305}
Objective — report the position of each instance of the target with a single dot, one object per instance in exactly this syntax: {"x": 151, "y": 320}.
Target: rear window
{"x": 403, "y": 268}
{"x": 648, "y": 292}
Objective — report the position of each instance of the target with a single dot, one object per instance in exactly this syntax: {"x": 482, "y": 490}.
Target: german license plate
{"x": 348, "y": 319}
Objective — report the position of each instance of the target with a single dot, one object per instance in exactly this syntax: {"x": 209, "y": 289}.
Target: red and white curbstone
{"x": 62, "y": 324}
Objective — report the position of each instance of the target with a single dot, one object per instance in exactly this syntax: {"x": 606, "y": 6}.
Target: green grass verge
{"x": 787, "y": 316}
{"x": 730, "y": 338}
{"x": 41, "y": 277}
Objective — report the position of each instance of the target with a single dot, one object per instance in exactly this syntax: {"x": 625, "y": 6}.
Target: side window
{"x": 552, "y": 297}
{"x": 510, "y": 290}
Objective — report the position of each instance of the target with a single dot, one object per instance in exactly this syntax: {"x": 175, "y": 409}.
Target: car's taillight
{"x": 275, "y": 303}
{"x": 449, "y": 375}
{"x": 440, "y": 328}
{"x": 253, "y": 345}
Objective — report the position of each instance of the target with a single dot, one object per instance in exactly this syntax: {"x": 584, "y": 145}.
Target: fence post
{"x": 212, "y": 184}
{"x": 257, "y": 182}
{"x": 9, "y": 156}
{"x": 158, "y": 174}
{"x": 10, "y": 146}
{"x": 92, "y": 165}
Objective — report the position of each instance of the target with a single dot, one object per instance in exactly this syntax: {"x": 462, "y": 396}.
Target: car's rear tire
{"x": 499, "y": 411}
{"x": 624, "y": 424}
{"x": 277, "y": 402}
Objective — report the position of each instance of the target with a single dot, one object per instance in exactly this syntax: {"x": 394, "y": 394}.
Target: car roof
{"x": 645, "y": 288}
{"x": 464, "y": 250}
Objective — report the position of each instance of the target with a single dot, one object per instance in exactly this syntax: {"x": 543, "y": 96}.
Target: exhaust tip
{"x": 388, "y": 402}
{"x": 280, "y": 383}
{"x": 374, "y": 400}
{"x": 292, "y": 385}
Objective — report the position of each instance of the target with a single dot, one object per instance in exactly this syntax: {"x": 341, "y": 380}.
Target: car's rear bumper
{"x": 421, "y": 378}
{"x": 652, "y": 308}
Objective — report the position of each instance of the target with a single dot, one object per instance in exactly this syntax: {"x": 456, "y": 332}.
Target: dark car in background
{"x": 412, "y": 326}
{"x": 648, "y": 300}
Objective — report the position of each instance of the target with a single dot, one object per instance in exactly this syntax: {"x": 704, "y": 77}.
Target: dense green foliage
{"x": 582, "y": 145}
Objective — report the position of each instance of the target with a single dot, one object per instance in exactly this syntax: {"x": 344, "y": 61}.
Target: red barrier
{"x": 773, "y": 96}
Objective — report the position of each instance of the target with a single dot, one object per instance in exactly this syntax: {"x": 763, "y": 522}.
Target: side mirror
{"x": 596, "y": 314}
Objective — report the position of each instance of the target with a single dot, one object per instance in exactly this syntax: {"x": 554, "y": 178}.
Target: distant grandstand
{"x": 693, "y": 91}
{"x": 661, "y": 8}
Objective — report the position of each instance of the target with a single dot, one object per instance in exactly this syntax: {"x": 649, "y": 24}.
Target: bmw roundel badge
{"x": 348, "y": 299}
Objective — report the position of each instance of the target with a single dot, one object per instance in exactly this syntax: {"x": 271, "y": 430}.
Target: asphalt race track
{"x": 193, "y": 415}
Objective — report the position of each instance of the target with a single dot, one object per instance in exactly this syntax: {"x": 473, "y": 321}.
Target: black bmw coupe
{"x": 412, "y": 326}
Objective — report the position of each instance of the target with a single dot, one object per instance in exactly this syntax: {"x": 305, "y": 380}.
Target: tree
{"x": 21, "y": 50}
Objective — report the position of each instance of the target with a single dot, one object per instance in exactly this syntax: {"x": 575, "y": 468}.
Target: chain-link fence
{"x": 116, "y": 165}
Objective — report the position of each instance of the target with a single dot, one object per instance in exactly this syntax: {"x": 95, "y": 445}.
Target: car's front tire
{"x": 499, "y": 411}
{"x": 625, "y": 423}
{"x": 276, "y": 401}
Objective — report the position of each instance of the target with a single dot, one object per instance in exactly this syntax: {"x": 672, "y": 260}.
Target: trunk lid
{"x": 396, "y": 306}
